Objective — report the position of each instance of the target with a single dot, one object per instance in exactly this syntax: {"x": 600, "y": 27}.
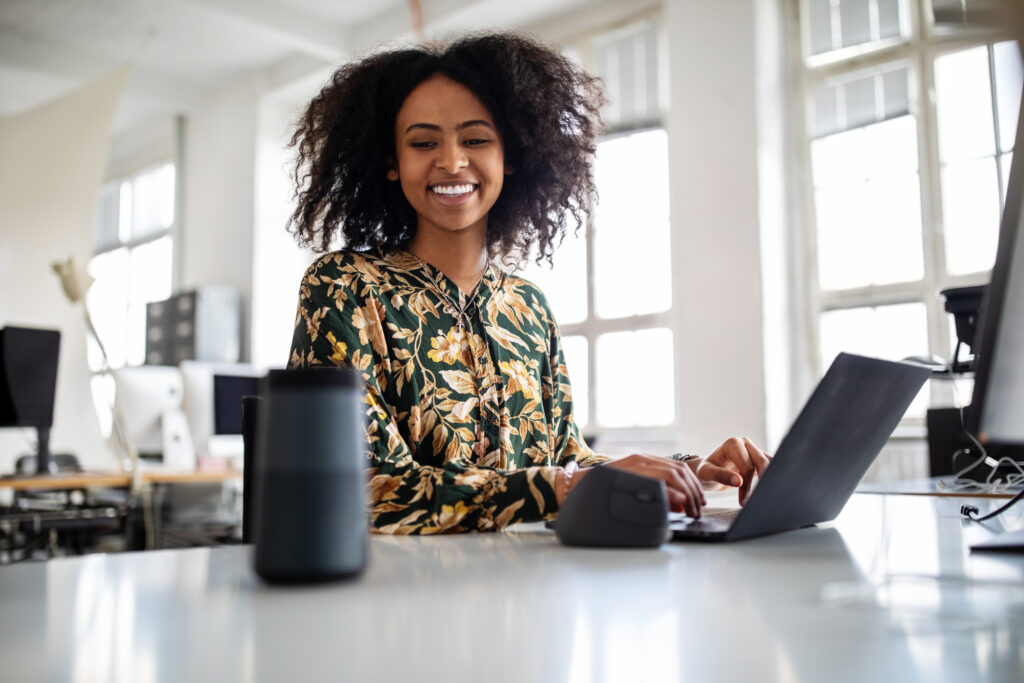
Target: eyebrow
{"x": 464, "y": 124}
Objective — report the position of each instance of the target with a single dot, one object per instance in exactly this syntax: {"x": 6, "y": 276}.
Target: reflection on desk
{"x": 887, "y": 592}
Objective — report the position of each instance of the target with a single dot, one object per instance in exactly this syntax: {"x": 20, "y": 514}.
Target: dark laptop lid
{"x": 841, "y": 429}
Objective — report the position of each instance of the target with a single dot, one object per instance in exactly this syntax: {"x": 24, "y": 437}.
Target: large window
{"x": 610, "y": 288}
{"x": 133, "y": 254}
{"x": 132, "y": 258}
{"x": 910, "y": 128}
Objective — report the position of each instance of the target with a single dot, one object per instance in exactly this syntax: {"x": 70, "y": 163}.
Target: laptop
{"x": 835, "y": 438}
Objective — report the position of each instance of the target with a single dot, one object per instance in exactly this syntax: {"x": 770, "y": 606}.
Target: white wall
{"x": 50, "y": 171}
{"x": 715, "y": 186}
{"x": 278, "y": 261}
{"x": 219, "y": 192}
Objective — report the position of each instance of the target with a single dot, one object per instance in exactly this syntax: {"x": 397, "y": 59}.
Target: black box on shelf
{"x": 202, "y": 324}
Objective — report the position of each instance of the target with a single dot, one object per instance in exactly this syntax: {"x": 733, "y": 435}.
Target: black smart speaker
{"x": 311, "y": 521}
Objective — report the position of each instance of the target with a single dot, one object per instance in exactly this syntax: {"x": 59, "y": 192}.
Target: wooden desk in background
{"x": 142, "y": 512}
{"x": 71, "y": 481}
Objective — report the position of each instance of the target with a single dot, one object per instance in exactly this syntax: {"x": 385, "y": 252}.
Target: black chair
{"x": 250, "y": 421}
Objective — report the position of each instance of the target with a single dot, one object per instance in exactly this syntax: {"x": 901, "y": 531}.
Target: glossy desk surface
{"x": 890, "y": 591}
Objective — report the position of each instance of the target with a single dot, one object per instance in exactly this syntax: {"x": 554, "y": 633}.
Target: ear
{"x": 509, "y": 170}
{"x": 393, "y": 174}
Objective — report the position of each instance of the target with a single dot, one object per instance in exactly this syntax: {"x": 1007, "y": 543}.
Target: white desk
{"x": 889, "y": 592}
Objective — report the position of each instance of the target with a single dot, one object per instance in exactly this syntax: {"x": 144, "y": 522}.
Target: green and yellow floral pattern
{"x": 465, "y": 426}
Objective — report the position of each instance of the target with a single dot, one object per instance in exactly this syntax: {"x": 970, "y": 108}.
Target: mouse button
{"x": 636, "y": 506}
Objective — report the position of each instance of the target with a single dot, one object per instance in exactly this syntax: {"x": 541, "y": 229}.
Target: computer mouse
{"x": 612, "y": 508}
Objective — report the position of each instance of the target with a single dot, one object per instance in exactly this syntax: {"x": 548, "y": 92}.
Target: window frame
{"x": 923, "y": 44}
{"x": 619, "y": 440}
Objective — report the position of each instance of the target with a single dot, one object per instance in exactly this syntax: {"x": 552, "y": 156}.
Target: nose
{"x": 451, "y": 158}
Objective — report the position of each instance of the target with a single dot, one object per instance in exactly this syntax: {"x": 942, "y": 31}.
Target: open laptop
{"x": 839, "y": 432}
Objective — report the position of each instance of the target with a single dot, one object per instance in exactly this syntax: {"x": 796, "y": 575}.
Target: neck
{"x": 461, "y": 256}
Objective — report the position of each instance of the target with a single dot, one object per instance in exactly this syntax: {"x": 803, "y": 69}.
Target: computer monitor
{"x": 146, "y": 395}
{"x": 208, "y": 424}
{"x": 28, "y": 384}
{"x": 228, "y": 391}
{"x": 996, "y": 413}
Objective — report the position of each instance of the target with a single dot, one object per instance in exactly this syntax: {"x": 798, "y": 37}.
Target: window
{"x": 610, "y": 288}
{"x": 133, "y": 254}
{"x": 905, "y": 188}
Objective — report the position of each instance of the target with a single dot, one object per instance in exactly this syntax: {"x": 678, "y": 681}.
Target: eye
{"x": 423, "y": 145}
{"x": 475, "y": 142}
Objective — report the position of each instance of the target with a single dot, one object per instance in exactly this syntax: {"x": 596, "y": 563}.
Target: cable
{"x": 970, "y": 511}
{"x": 960, "y": 483}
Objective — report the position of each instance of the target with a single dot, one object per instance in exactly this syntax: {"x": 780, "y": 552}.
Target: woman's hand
{"x": 735, "y": 463}
{"x": 685, "y": 493}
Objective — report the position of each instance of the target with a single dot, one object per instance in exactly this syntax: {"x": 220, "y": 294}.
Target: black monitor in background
{"x": 28, "y": 384}
{"x": 996, "y": 413}
{"x": 228, "y": 391}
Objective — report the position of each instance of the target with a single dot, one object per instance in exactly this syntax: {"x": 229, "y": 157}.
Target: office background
{"x": 757, "y": 135}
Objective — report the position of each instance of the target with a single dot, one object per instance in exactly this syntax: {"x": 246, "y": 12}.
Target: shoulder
{"x": 344, "y": 267}
{"x": 531, "y": 295}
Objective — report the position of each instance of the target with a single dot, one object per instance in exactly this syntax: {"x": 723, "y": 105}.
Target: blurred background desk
{"x": 890, "y": 591}
{"x": 77, "y": 512}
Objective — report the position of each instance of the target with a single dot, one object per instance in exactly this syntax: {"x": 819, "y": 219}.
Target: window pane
{"x": 634, "y": 378}
{"x": 564, "y": 284}
{"x": 891, "y": 332}
{"x": 627, "y": 62}
{"x": 964, "y": 105}
{"x": 862, "y": 99}
{"x": 848, "y": 23}
{"x": 631, "y": 226}
{"x": 153, "y": 201}
{"x": 108, "y": 306}
{"x": 855, "y": 22}
{"x": 108, "y": 213}
{"x": 575, "y": 350}
{"x": 868, "y": 206}
{"x": 970, "y": 207}
{"x": 149, "y": 280}
{"x": 1009, "y": 82}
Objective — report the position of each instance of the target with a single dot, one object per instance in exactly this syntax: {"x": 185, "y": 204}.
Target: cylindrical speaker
{"x": 311, "y": 515}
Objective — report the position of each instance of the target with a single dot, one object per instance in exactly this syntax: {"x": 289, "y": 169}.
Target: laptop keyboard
{"x": 711, "y": 519}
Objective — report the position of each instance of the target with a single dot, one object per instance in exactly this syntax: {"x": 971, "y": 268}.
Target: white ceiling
{"x": 182, "y": 51}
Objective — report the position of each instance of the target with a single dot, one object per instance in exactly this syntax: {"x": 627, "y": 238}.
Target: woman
{"x": 436, "y": 166}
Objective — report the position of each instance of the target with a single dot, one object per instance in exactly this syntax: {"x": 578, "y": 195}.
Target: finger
{"x": 757, "y": 456}
{"x": 677, "y": 501}
{"x": 690, "y": 487}
{"x": 695, "y": 482}
{"x": 734, "y": 451}
{"x": 711, "y": 472}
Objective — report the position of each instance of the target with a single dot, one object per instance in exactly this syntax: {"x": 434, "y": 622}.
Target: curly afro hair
{"x": 546, "y": 110}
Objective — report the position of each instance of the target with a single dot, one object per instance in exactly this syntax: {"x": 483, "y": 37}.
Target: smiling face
{"x": 449, "y": 157}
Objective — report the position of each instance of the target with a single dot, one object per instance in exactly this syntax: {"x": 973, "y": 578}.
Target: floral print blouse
{"x": 469, "y": 404}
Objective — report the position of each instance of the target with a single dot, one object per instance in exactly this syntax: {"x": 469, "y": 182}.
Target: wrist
{"x": 565, "y": 479}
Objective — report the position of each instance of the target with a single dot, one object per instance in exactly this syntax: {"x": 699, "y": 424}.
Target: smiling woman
{"x": 432, "y": 164}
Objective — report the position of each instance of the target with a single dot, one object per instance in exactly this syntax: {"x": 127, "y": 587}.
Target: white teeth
{"x": 452, "y": 189}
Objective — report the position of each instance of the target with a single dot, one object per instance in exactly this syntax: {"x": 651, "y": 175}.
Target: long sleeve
{"x": 423, "y": 478}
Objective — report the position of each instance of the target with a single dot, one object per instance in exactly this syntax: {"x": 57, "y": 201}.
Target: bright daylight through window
{"x": 911, "y": 113}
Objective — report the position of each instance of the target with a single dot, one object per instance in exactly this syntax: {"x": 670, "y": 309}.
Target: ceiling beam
{"x": 80, "y": 65}
{"x": 302, "y": 32}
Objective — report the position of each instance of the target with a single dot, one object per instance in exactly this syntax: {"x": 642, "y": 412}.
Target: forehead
{"x": 441, "y": 101}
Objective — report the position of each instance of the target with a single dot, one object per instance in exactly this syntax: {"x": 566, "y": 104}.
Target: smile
{"x": 453, "y": 190}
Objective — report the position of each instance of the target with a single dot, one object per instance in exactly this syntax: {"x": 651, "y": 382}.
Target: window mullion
{"x": 933, "y": 239}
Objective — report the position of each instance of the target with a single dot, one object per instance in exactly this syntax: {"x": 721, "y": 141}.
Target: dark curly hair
{"x": 546, "y": 110}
